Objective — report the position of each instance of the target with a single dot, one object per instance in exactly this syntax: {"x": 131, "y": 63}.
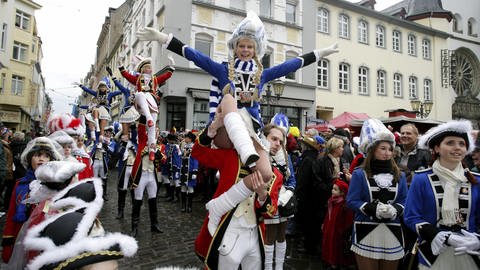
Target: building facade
{"x": 23, "y": 101}
{"x": 387, "y": 58}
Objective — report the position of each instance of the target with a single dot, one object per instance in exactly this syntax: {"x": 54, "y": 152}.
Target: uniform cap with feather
{"x": 61, "y": 137}
{"x": 66, "y": 122}
{"x": 373, "y": 132}
{"x": 143, "y": 61}
{"x": 40, "y": 144}
{"x": 250, "y": 27}
{"x": 458, "y": 128}
{"x": 281, "y": 120}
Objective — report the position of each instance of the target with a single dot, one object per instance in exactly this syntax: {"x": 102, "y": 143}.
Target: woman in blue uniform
{"x": 377, "y": 195}
{"x": 443, "y": 204}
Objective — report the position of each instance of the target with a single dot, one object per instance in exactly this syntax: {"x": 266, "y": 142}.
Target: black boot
{"x": 170, "y": 193}
{"x": 137, "y": 204}
{"x": 165, "y": 195}
{"x": 183, "y": 197}
{"x": 104, "y": 186}
{"x": 177, "y": 194}
{"x": 189, "y": 202}
{"x": 152, "y": 208}
{"x": 122, "y": 194}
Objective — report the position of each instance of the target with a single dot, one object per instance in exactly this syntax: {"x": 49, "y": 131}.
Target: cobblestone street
{"x": 175, "y": 245}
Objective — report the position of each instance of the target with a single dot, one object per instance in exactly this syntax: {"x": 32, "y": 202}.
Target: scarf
{"x": 333, "y": 200}
{"x": 336, "y": 164}
{"x": 21, "y": 192}
{"x": 381, "y": 166}
{"x": 451, "y": 181}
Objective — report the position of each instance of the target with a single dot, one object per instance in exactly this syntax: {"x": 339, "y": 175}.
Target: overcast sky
{"x": 69, "y": 31}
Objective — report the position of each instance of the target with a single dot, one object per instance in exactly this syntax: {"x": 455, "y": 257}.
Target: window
{"x": 343, "y": 26}
{"x": 203, "y": 43}
{"x": 290, "y": 12}
{"x": 363, "y": 32}
{"x": 322, "y": 73}
{"x": 3, "y": 37}
{"x": 363, "y": 80}
{"x": 471, "y": 26}
{"x": 426, "y": 49}
{"x": 457, "y": 23}
{"x": 239, "y": 5}
{"x": 20, "y": 51}
{"x": 265, "y": 8}
{"x": 412, "y": 45}
{"x": 427, "y": 90}
{"x": 412, "y": 87}
{"x": 381, "y": 82}
{"x": 17, "y": 85}
{"x": 322, "y": 23}
{"x": 397, "y": 41}
{"x": 343, "y": 77}
{"x": 22, "y": 20}
{"x": 380, "y": 36}
{"x": 289, "y": 55}
{"x": 2, "y": 83}
{"x": 397, "y": 85}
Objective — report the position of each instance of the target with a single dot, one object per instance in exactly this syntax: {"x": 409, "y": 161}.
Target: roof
{"x": 396, "y": 122}
{"x": 418, "y": 9}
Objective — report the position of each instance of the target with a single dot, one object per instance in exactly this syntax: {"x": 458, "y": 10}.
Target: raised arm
{"x": 296, "y": 63}
{"x": 88, "y": 90}
{"x": 175, "y": 45}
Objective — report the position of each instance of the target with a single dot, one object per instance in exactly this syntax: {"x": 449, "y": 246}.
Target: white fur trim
{"x": 459, "y": 126}
{"x": 46, "y": 143}
{"x": 58, "y": 171}
{"x": 60, "y": 201}
{"x": 128, "y": 246}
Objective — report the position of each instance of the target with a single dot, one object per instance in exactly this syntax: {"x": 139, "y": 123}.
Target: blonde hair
{"x": 231, "y": 75}
{"x": 333, "y": 144}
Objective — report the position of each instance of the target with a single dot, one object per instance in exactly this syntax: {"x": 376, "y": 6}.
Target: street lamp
{"x": 278, "y": 87}
{"x": 422, "y": 109}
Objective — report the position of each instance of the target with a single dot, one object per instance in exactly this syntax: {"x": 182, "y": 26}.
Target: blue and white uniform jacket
{"x": 189, "y": 170}
{"x": 172, "y": 165}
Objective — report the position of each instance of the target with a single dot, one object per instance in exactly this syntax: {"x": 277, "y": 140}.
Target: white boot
{"x": 222, "y": 204}
{"x": 280, "y": 250}
{"x": 238, "y": 134}
{"x": 269, "y": 256}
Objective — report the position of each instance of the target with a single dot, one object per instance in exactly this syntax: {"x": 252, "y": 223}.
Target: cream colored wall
{"x": 357, "y": 54}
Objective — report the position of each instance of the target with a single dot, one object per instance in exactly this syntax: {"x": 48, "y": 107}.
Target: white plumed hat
{"x": 250, "y": 27}
{"x": 40, "y": 144}
{"x": 458, "y": 128}
{"x": 66, "y": 122}
{"x": 374, "y": 131}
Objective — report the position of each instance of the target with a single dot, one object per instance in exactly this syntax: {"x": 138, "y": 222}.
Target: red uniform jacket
{"x": 229, "y": 166}
{"x": 157, "y": 81}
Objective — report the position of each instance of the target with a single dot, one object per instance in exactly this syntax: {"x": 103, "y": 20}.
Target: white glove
{"x": 438, "y": 243}
{"x": 171, "y": 60}
{"x": 284, "y": 197}
{"x": 469, "y": 244}
{"x": 194, "y": 176}
{"x": 148, "y": 33}
{"x": 381, "y": 208}
{"x": 389, "y": 212}
{"x": 320, "y": 53}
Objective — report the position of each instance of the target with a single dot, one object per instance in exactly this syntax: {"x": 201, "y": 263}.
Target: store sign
{"x": 10, "y": 116}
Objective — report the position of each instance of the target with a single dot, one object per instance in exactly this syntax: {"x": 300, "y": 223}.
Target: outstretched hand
{"x": 148, "y": 33}
{"x": 320, "y": 53}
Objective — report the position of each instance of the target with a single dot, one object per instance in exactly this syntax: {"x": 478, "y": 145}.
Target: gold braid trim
{"x": 88, "y": 254}
{"x": 256, "y": 78}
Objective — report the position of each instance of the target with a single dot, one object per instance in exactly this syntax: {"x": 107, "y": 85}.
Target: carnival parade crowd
{"x": 385, "y": 199}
